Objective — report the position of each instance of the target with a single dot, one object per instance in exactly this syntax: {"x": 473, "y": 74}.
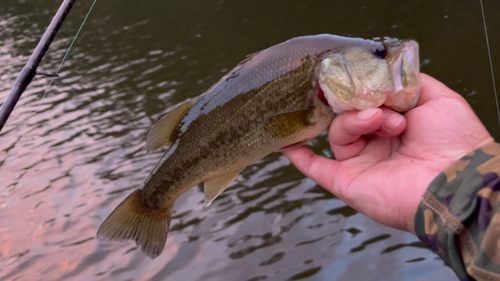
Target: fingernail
{"x": 367, "y": 114}
{"x": 392, "y": 121}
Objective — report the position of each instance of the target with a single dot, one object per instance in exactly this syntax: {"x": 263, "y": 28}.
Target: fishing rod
{"x": 30, "y": 70}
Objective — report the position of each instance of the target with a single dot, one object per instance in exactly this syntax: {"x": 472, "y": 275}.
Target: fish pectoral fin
{"x": 161, "y": 133}
{"x": 216, "y": 186}
{"x": 132, "y": 220}
{"x": 289, "y": 123}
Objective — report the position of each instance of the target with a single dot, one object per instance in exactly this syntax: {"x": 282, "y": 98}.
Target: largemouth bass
{"x": 280, "y": 97}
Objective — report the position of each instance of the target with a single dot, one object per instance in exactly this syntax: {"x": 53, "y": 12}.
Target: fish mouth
{"x": 407, "y": 64}
{"x": 347, "y": 86}
{"x": 405, "y": 73}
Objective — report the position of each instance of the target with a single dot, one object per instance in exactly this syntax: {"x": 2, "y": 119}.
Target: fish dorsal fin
{"x": 252, "y": 55}
{"x": 289, "y": 123}
{"x": 216, "y": 186}
{"x": 248, "y": 58}
{"x": 161, "y": 133}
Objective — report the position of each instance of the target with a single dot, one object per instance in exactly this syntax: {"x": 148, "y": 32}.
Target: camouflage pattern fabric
{"x": 459, "y": 215}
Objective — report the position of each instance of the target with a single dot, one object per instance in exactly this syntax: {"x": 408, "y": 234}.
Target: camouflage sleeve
{"x": 459, "y": 215}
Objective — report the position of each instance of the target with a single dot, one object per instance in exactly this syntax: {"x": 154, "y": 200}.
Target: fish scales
{"x": 208, "y": 141}
{"x": 274, "y": 99}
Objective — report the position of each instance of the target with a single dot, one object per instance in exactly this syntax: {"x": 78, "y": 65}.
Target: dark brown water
{"x": 63, "y": 170}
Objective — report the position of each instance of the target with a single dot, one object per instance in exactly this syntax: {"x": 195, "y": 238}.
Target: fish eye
{"x": 380, "y": 51}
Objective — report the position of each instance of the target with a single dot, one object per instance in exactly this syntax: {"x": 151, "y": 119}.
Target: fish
{"x": 275, "y": 99}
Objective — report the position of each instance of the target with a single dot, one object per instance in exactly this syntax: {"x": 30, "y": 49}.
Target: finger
{"x": 432, "y": 89}
{"x": 343, "y": 152}
{"x": 351, "y": 125}
{"x": 376, "y": 150}
{"x": 318, "y": 168}
{"x": 393, "y": 123}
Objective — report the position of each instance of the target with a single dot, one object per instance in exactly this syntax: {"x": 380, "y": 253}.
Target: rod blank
{"x": 29, "y": 71}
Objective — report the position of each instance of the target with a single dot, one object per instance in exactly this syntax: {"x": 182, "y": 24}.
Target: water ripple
{"x": 68, "y": 159}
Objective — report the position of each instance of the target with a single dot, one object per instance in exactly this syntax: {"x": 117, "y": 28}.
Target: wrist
{"x": 416, "y": 193}
{"x": 453, "y": 193}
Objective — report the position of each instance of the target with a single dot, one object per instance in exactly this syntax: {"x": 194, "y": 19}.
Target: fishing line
{"x": 58, "y": 68}
{"x": 491, "y": 61}
{"x": 66, "y": 55}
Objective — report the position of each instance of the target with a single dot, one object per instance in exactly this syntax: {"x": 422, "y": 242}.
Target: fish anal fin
{"x": 161, "y": 132}
{"x": 132, "y": 220}
{"x": 289, "y": 123}
{"x": 214, "y": 187}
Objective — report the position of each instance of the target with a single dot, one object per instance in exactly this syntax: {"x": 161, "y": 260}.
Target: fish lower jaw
{"x": 337, "y": 104}
{"x": 404, "y": 100}
{"x": 362, "y": 101}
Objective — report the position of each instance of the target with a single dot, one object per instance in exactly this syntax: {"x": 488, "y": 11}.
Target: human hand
{"x": 385, "y": 161}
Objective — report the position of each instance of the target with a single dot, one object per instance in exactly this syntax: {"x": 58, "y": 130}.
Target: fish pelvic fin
{"x": 294, "y": 145}
{"x": 132, "y": 220}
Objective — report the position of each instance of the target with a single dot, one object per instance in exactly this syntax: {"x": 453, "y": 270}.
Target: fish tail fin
{"x": 132, "y": 220}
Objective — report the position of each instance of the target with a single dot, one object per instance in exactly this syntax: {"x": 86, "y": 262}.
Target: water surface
{"x": 64, "y": 169}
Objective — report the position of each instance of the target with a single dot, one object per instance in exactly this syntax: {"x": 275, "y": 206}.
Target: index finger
{"x": 350, "y": 125}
